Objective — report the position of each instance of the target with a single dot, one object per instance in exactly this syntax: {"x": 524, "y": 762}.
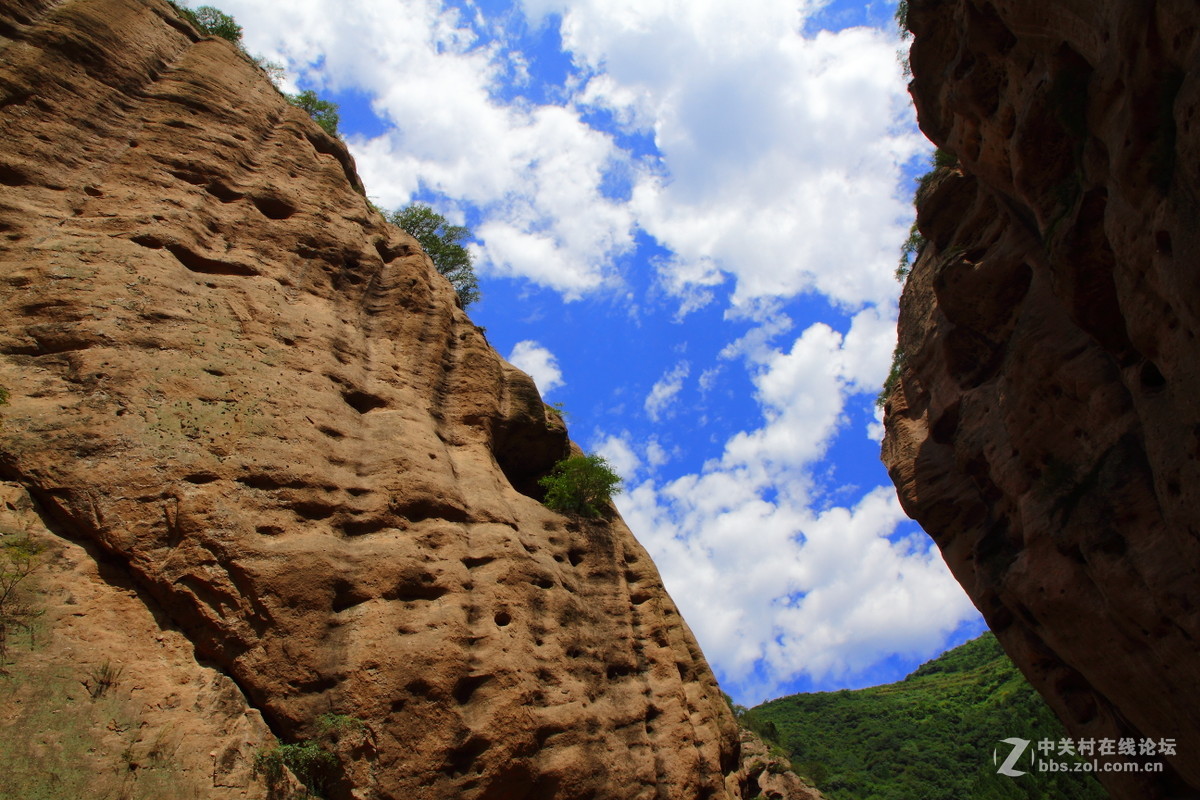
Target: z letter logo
{"x": 1007, "y": 768}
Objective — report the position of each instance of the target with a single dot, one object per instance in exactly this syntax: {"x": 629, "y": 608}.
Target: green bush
{"x": 893, "y": 378}
{"x": 333, "y": 726}
{"x": 311, "y": 763}
{"x": 323, "y": 112}
{"x": 911, "y": 249}
{"x": 20, "y": 557}
{"x": 909, "y": 252}
{"x": 902, "y": 19}
{"x": 442, "y": 241}
{"x": 211, "y": 22}
{"x": 217, "y": 23}
{"x": 579, "y": 484}
{"x": 101, "y": 678}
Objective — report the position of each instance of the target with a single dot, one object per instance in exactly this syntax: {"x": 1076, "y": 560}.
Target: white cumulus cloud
{"x": 540, "y": 364}
{"x": 665, "y": 391}
{"x": 777, "y": 583}
{"x": 534, "y": 172}
{"x": 619, "y": 453}
{"x": 775, "y": 173}
{"x": 781, "y": 153}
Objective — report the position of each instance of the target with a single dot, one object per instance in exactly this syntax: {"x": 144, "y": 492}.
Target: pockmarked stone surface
{"x": 260, "y": 406}
{"x": 1046, "y": 429}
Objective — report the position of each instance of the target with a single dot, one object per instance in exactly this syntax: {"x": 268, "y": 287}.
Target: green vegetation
{"x": 309, "y": 761}
{"x": 902, "y": 19}
{"x": 211, "y": 22}
{"x": 323, "y": 112}
{"x": 59, "y": 742}
{"x": 915, "y": 243}
{"x": 905, "y": 34}
{"x": 580, "y": 484}
{"x": 20, "y": 557}
{"x": 333, "y": 726}
{"x": 910, "y": 251}
{"x": 101, "y": 678}
{"x": 69, "y": 731}
{"x": 893, "y": 379}
{"x": 928, "y": 737}
{"x": 443, "y": 242}
{"x": 217, "y": 23}
{"x": 314, "y": 762}
{"x": 753, "y": 721}
{"x": 940, "y": 160}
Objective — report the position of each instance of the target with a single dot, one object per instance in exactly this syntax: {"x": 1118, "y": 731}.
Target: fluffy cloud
{"x": 539, "y": 363}
{"x": 535, "y": 173}
{"x": 803, "y": 391}
{"x": 776, "y": 590}
{"x": 778, "y": 584}
{"x": 665, "y": 390}
{"x": 776, "y": 173}
{"x": 787, "y": 182}
{"x": 618, "y": 452}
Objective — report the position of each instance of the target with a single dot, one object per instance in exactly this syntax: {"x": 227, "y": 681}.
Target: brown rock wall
{"x": 1046, "y": 431}
{"x": 262, "y": 403}
{"x": 103, "y": 697}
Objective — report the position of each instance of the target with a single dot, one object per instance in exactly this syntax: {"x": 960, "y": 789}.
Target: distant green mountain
{"x": 930, "y": 736}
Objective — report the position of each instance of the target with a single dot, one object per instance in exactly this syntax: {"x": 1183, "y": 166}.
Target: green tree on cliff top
{"x": 443, "y": 242}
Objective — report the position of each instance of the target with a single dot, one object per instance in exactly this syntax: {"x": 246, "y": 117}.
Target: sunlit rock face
{"x": 1046, "y": 429}
{"x": 260, "y": 406}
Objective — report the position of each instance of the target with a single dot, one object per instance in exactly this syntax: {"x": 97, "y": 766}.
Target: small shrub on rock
{"x": 211, "y": 22}
{"x": 580, "y": 484}
{"x": 312, "y": 764}
{"x": 443, "y": 243}
{"x": 323, "y": 112}
{"x": 20, "y": 557}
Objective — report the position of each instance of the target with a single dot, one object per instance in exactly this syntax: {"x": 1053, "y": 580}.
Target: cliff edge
{"x": 1045, "y": 429}
{"x": 251, "y": 408}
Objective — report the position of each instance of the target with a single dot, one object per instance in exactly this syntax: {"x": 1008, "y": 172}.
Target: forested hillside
{"x": 928, "y": 737}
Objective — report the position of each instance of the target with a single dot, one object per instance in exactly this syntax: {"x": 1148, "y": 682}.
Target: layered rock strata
{"x": 259, "y": 404}
{"x": 1045, "y": 429}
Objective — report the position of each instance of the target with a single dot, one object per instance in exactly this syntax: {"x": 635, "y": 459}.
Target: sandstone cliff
{"x": 278, "y": 467}
{"x": 1046, "y": 430}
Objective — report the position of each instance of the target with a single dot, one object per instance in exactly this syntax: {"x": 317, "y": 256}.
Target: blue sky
{"x": 687, "y": 214}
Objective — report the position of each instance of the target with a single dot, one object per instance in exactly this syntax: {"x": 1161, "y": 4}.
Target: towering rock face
{"x": 260, "y": 407}
{"x": 1046, "y": 429}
